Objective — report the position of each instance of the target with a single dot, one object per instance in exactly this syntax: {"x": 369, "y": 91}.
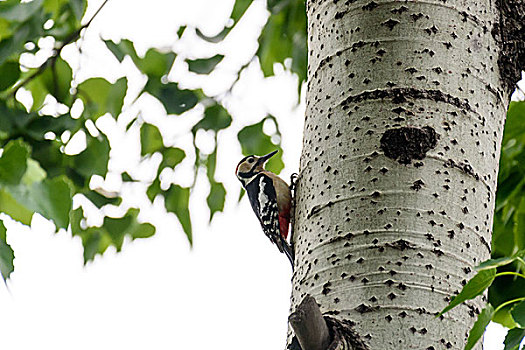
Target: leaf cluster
{"x": 37, "y": 175}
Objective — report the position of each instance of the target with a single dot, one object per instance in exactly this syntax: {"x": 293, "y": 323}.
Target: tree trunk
{"x": 404, "y": 119}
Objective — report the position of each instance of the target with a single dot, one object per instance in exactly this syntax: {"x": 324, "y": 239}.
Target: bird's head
{"x": 251, "y": 165}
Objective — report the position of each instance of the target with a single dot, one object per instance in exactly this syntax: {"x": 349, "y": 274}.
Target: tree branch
{"x": 52, "y": 59}
{"x": 310, "y": 326}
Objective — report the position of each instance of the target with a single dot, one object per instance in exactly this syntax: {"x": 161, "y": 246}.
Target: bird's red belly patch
{"x": 283, "y": 226}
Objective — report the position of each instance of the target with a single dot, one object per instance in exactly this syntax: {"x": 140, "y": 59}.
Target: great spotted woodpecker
{"x": 270, "y": 198}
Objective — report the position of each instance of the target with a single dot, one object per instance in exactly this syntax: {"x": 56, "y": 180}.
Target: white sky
{"x": 233, "y": 286}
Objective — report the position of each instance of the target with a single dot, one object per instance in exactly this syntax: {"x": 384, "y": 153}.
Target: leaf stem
{"x": 500, "y": 306}
{"x": 510, "y": 273}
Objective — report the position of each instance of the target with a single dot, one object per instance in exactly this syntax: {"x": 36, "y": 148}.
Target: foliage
{"x": 504, "y": 274}
{"x": 38, "y": 176}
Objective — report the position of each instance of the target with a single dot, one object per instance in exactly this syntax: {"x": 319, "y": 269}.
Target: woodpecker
{"x": 270, "y": 198}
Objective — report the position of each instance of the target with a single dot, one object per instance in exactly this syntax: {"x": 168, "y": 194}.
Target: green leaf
{"x": 94, "y": 242}
{"x": 57, "y": 80}
{"x": 13, "y": 162}
{"x": 476, "y": 286}
{"x": 514, "y": 124}
{"x": 117, "y": 228}
{"x": 50, "y": 157}
{"x": 171, "y": 157}
{"x": 211, "y": 165}
{"x": 284, "y": 36}
{"x": 175, "y": 100}
{"x": 9, "y": 74}
{"x": 6, "y": 254}
{"x": 119, "y": 51}
{"x": 503, "y": 236}
{"x": 180, "y": 31}
{"x": 101, "y": 97}
{"x": 93, "y": 239}
{"x": 52, "y": 199}
{"x": 10, "y": 206}
{"x": 39, "y": 125}
{"x": 503, "y": 317}
{"x": 518, "y": 314}
{"x": 213, "y": 39}
{"x": 216, "y": 198}
{"x": 216, "y": 117}
{"x": 241, "y": 194}
{"x": 514, "y": 338}
{"x": 99, "y": 200}
{"x": 30, "y": 30}
{"x": 492, "y": 263}
{"x": 150, "y": 139}
{"x": 239, "y": 8}
{"x": 5, "y": 30}
{"x": 139, "y": 230}
{"x": 34, "y": 173}
{"x": 19, "y": 12}
{"x": 204, "y": 65}
{"x": 97, "y": 239}
{"x": 94, "y": 159}
{"x": 154, "y": 189}
{"x": 177, "y": 202}
{"x": 156, "y": 64}
{"x": 479, "y": 326}
{"x": 38, "y": 92}
{"x": 254, "y": 141}
{"x": 78, "y": 7}
{"x": 126, "y": 177}
{"x": 519, "y": 225}
{"x": 54, "y": 7}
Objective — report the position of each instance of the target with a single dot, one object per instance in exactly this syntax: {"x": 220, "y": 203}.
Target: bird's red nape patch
{"x": 283, "y": 226}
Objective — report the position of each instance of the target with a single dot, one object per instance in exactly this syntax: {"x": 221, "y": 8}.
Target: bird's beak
{"x": 263, "y": 159}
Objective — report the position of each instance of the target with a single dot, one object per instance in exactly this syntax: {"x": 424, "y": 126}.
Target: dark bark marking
{"x": 418, "y": 184}
{"x": 464, "y": 167}
{"x": 431, "y": 30}
{"x": 416, "y": 16}
{"x": 509, "y": 34}
{"x": 326, "y": 288}
{"x": 401, "y": 245}
{"x": 391, "y": 23}
{"x": 400, "y": 95}
{"x": 363, "y": 308}
{"x": 408, "y": 143}
{"x": 370, "y": 6}
{"x": 399, "y": 10}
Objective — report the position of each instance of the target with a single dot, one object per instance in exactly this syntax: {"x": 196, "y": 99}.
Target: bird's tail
{"x": 288, "y": 250}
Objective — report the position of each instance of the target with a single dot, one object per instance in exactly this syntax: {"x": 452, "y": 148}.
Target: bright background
{"x": 232, "y": 287}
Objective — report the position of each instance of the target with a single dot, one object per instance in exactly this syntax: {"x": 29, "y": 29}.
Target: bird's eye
{"x": 250, "y": 160}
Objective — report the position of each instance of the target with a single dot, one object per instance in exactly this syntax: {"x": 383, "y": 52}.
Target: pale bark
{"x": 404, "y": 119}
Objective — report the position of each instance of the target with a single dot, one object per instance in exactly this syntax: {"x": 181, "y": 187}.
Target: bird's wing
{"x": 264, "y": 204}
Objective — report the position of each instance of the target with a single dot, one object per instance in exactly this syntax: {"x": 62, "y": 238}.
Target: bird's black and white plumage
{"x": 270, "y": 199}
